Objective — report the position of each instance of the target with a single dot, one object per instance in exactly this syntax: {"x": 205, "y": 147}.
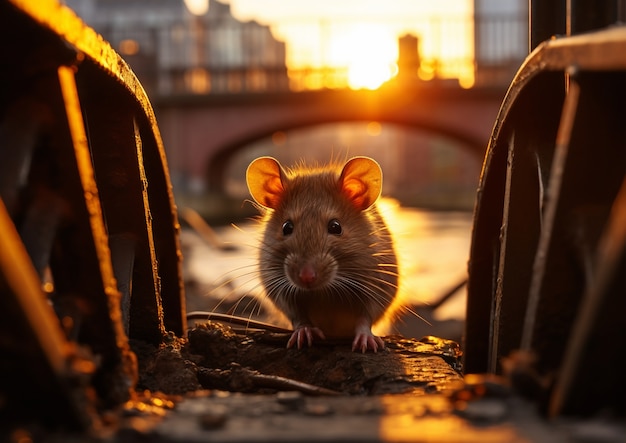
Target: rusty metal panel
{"x": 84, "y": 177}
{"x": 560, "y": 135}
{"x": 104, "y": 68}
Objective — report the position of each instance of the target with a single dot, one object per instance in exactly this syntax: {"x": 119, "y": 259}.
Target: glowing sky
{"x": 361, "y": 35}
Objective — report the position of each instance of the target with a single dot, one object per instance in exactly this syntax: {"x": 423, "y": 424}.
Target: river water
{"x": 433, "y": 249}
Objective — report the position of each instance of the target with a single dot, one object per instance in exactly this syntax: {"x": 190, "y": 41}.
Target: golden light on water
{"x": 374, "y": 129}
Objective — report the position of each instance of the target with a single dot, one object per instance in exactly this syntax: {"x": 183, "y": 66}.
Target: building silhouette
{"x": 173, "y": 51}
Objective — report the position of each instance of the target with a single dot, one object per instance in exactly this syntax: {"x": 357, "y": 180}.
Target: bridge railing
{"x": 226, "y": 56}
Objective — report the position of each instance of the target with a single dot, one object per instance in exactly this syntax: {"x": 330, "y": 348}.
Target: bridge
{"x": 202, "y": 132}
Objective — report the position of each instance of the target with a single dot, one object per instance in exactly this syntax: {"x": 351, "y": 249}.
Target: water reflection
{"x": 433, "y": 248}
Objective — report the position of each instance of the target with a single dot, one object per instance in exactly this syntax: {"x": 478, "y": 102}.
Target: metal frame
{"x": 543, "y": 277}
{"x": 90, "y": 253}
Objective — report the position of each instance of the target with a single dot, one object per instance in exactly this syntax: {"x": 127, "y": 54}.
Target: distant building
{"x": 409, "y": 63}
{"x": 500, "y": 30}
{"x": 408, "y": 58}
{"x": 173, "y": 51}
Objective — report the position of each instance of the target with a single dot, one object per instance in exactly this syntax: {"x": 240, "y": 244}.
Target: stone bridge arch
{"x": 202, "y": 133}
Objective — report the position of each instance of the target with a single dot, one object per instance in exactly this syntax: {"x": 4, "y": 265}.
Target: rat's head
{"x": 321, "y": 228}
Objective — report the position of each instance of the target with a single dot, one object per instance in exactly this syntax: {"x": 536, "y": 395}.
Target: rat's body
{"x": 327, "y": 259}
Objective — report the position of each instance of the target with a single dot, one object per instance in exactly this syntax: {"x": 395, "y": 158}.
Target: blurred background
{"x": 414, "y": 84}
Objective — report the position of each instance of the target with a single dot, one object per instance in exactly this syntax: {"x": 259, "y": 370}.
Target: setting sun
{"x": 369, "y": 53}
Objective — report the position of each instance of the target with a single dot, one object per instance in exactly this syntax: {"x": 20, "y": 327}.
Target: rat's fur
{"x": 327, "y": 284}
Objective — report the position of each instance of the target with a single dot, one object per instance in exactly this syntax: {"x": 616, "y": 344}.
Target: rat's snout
{"x": 307, "y": 275}
{"x": 310, "y": 273}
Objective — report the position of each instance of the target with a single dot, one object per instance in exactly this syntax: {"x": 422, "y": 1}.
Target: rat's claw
{"x": 366, "y": 341}
{"x": 303, "y": 333}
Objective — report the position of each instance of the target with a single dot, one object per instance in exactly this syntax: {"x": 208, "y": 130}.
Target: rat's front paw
{"x": 364, "y": 341}
{"x": 302, "y": 334}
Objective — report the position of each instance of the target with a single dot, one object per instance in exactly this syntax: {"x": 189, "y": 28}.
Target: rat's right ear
{"x": 361, "y": 181}
{"x": 264, "y": 179}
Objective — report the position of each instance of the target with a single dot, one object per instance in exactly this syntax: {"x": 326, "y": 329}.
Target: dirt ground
{"x": 217, "y": 357}
{"x": 236, "y": 385}
{"x": 229, "y": 385}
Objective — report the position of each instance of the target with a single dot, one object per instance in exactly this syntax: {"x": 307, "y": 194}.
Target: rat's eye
{"x": 334, "y": 227}
{"x": 288, "y": 227}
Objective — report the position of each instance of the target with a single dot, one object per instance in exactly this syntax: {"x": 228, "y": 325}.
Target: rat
{"x": 327, "y": 259}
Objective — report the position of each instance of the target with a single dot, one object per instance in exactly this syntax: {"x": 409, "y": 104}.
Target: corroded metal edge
{"x": 558, "y": 54}
{"x": 64, "y": 22}
{"x": 580, "y": 52}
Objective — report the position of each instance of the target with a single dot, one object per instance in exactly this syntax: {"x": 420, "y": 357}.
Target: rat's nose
{"x": 307, "y": 274}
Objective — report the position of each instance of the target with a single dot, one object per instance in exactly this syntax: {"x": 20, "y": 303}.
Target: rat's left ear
{"x": 361, "y": 181}
{"x": 264, "y": 177}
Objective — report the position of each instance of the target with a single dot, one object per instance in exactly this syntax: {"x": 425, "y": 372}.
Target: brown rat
{"x": 327, "y": 259}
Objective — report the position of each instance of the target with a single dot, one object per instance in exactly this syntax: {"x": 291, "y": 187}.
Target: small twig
{"x": 282, "y": 383}
{"x": 205, "y": 231}
{"x": 227, "y": 318}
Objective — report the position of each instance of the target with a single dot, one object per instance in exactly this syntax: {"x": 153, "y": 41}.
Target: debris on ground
{"x": 218, "y": 357}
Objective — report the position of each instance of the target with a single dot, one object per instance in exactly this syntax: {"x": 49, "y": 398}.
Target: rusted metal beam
{"x": 113, "y": 140}
{"x": 601, "y": 298}
{"x": 86, "y": 276}
{"x": 553, "y": 193}
{"x": 148, "y": 223}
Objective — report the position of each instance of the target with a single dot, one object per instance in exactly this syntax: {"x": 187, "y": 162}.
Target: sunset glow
{"x": 368, "y": 51}
{"x": 197, "y": 7}
{"x": 358, "y": 39}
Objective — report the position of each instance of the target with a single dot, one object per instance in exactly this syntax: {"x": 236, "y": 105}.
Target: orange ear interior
{"x": 361, "y": 181}
{"x": 263, "y": 177}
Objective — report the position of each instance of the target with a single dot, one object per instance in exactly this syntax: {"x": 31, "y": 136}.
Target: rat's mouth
{"x": 309, "y": 278}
